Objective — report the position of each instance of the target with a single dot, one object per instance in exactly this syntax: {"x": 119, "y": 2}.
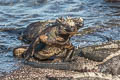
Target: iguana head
{"x": 69, "y": 25}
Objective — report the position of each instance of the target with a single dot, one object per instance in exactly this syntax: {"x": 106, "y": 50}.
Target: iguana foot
{"x": 57, "y": 60}
{"x": 19, "y": 51}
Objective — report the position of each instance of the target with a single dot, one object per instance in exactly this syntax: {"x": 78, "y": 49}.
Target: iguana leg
{"x": 69, "y": 55}
{"x": 69, "y": 46}
{"x": 30, "y": 51}
{"x": 70, "y": 52}
{"x": 65, "y": 56}
{"x": 44, "y": 54}
{"x": 58, "y": 40}
{"x": 19, "y": 51}
{"x": 57, "y": 60}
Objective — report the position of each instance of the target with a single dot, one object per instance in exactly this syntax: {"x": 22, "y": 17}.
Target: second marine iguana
{"x": 85, "y": 64}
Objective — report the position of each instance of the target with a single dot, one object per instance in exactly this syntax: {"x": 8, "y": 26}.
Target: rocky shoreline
{"x": 97, "y": 62}
{"x": 30, "y": 73}
{"x": 108, "y": 71}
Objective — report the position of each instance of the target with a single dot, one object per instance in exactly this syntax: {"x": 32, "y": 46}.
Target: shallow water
{"x": 20, "y": 13}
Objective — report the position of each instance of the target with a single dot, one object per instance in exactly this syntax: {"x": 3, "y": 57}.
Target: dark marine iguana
{"x": 53, "y": 40}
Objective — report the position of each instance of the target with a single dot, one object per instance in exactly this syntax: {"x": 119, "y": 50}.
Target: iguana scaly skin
{"x": 53, "y": 40}
{"x": 101, "y": 52}
{"x": 33, "y": 29}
